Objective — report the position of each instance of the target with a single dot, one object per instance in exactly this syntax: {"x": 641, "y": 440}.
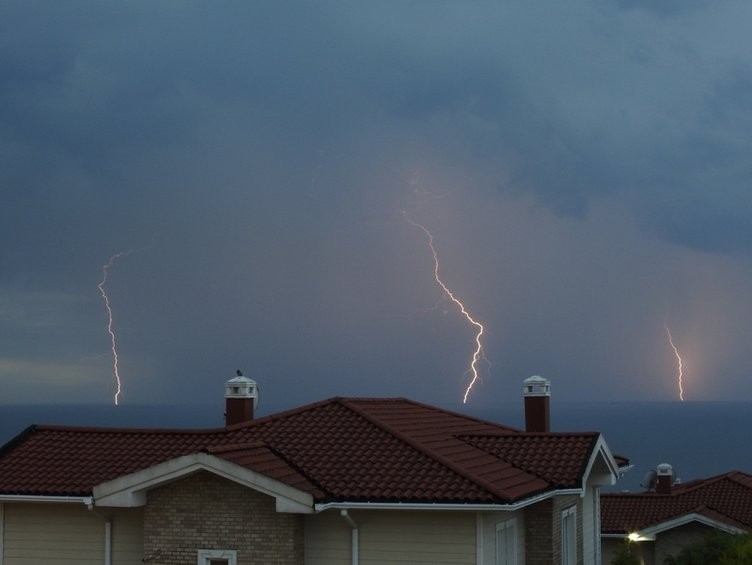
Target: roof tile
{"x": 339, "y": 449}
{"x": 726, "y": 498}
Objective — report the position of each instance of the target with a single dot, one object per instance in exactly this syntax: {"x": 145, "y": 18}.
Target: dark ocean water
{"x": 699, "y": 439}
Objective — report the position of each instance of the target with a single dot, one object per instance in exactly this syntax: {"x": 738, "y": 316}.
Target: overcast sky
{"x": 584, "y": 168}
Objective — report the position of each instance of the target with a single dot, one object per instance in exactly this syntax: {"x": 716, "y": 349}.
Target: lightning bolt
{"x": 478, "y": 352}
{"x": 678, "y": 360}
{"x": 113, "y": 341}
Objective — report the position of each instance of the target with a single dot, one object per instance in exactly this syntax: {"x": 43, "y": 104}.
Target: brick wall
{"x": 543, "y": 530}
{"x": 538, "y": 540}
{"x": 204, "y": 511}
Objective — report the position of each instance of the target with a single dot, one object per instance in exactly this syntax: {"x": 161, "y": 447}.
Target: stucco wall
{"x": 672, "y": 541}
{"x": 643, "y": 550}
{"x": 204, "y": 511}
{"x": 667, "y": 543}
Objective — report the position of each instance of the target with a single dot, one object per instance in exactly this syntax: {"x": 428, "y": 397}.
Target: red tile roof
{"x": 340, "y": 449}
{"x": 725, "y": 498}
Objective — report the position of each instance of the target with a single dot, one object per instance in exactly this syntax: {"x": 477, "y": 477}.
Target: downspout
{"x": 108, "y": 543}
{"x": 354, "y": 540}
{"x": 107, "y": 531}
{"x": 2, "y": 534}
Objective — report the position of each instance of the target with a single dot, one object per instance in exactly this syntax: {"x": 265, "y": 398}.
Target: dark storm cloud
{"x": 257, "y": 157}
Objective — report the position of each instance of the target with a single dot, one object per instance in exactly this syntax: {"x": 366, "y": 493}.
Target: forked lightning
{"x": 110, "y": 330}
{"x": 478, "y": 352}
{"x": 680, "y": 364}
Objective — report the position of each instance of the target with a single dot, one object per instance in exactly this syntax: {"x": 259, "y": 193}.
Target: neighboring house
{"x": 662, "y": 522}
{"x": 345, "y": 480}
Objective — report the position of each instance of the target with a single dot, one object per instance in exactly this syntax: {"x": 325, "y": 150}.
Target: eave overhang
{"x": 45, "y": 498}
{"x": 130, "y": 490}
{"x": 457, "y": 506}
{"x": 601, "y": 468}
{"x": 651, "y": 532}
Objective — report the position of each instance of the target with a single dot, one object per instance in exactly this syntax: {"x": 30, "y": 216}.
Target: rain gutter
{"x": 469, "y": 507}
{"x": 44, "y": 498}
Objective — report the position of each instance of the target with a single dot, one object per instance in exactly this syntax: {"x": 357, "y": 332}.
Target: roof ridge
{"x": 688, "y": 488}
{"x": 17, "y": 439}
{"x": 511, "y": 429}
{"x": 491, "y": 488}
{"x": 281, "y": 415}
{"x": 697, "y": 484}
{"x": 114, "y": 430}
{"x": 240, "y": 446}
{"x": 513, "y": 433}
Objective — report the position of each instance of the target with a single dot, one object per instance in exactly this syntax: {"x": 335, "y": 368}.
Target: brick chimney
{"x": 537, "y": 391}
{"x": 664, "y": 478}
{"x": 241, "y": 398}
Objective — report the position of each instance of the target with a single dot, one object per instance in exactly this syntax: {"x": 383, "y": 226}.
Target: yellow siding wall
{"x": 127, "y": 535}
{"x": 395, "y": 537}
{"x": 40, "y": 534}
{"x": 327, "y": 539}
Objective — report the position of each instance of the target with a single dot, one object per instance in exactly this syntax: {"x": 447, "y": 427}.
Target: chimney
{"x": 664, "y": 478}
{"x": 537, "y": 391}
{"x": 241, "y": 398}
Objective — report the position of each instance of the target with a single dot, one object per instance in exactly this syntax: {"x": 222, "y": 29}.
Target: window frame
{"x": 205, "y": 556}
{"x": 569, "y": 535}
{"x": 509, "y": 527}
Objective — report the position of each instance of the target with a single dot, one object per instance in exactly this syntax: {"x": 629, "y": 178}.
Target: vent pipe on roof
{"x": 537, "y": 392}
{"x": 241, "y": 399}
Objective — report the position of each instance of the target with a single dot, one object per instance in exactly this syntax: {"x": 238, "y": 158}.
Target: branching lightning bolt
{"x": 478, "y": 352}
{"x": 100, "y": 286}
{"x": 678, "y": 360}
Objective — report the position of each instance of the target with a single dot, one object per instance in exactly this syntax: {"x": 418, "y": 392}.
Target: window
{"x": 217, "y": 557}
{"x": 506, "y": 542}
{"x": 569, "y": 536}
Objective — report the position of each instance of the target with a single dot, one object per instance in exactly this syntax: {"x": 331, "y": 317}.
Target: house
{"x": 672, "y": 515}
{"x": 341, "y": 481}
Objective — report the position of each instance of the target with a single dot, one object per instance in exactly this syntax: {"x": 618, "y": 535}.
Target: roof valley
{"x": 436, "y": 455}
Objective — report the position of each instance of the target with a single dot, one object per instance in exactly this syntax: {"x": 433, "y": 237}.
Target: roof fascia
{"x": 615, "y": 536}
{"x": 45, "y": 498}
{"x": 469, "y": 507}
{"x": 686, "y": 519}
{"x": 600, "y": 451}
{"x": 625, "y": 469}
{"x": 130, "y": 490}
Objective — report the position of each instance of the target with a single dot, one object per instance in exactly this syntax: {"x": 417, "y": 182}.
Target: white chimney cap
{"x": 241, "y": 387}
{"x": 536, "y": 386}
{"x": 664, "y": 469}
